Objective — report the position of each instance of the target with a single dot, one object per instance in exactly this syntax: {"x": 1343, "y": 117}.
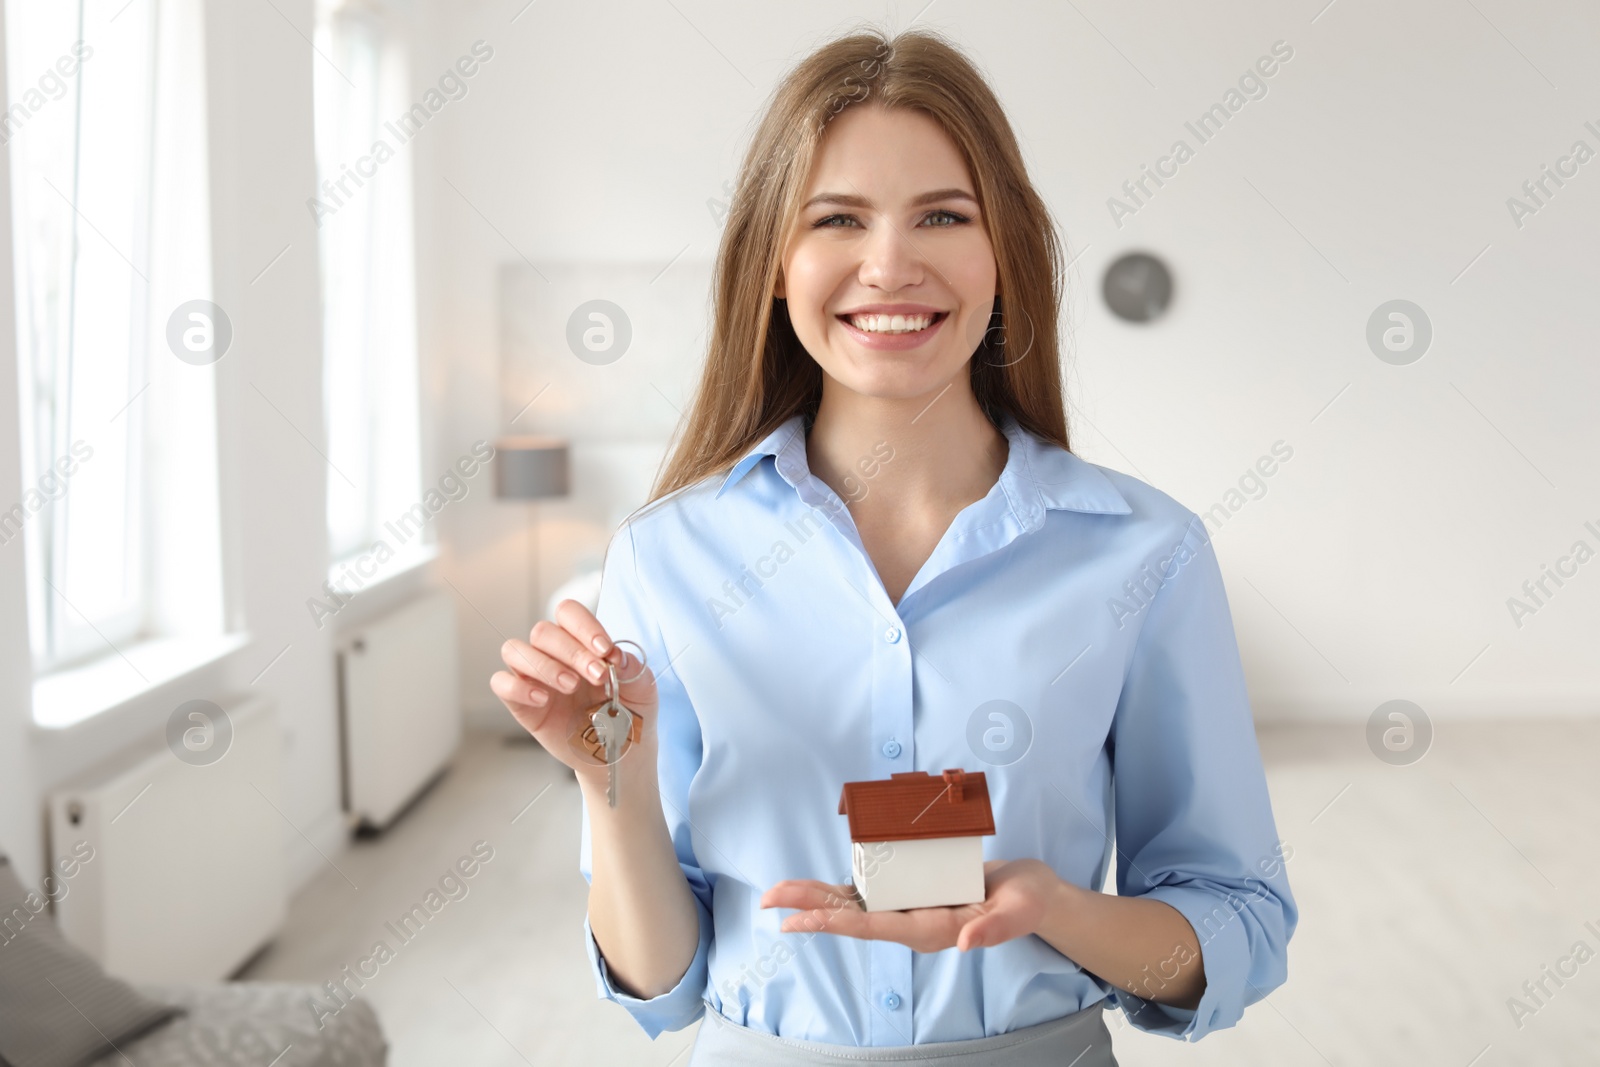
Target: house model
{"x": 917, "y": 840}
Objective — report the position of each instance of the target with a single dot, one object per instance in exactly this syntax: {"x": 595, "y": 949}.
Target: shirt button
{"x": 891, "y": 748}
{"x": 892, "y": 634}
{"x": 891, "y": 1001}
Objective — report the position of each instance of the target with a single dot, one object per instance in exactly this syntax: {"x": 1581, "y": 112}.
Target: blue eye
{"x": 958, "y": 219}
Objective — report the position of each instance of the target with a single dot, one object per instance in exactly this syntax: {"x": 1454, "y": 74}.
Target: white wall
{"x": 1378, "y": 562}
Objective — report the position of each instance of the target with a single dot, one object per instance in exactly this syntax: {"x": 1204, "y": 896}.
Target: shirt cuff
{"x": 672, "y": 1010}
{"x": 1225, "y": 955}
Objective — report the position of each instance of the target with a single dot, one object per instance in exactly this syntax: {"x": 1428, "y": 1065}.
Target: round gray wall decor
{"x": 1137, "y": 287}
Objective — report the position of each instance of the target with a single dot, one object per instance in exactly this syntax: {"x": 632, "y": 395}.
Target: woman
{"x": 922, "y": 577}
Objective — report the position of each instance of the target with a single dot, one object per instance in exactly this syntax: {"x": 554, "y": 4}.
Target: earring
{"x": 1002, "y": 345}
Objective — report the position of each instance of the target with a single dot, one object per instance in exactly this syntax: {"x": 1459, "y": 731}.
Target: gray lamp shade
{"x": 530, "y": 468}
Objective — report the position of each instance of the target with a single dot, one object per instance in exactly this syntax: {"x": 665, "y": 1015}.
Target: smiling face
{"x": 889, "y": 275}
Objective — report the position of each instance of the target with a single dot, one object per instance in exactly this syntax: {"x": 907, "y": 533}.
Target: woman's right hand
{"x": 549, "y": 688}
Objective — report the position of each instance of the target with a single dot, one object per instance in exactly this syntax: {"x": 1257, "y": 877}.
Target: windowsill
{"x": 351, "y": 574}
{"x": 65, "y": 698}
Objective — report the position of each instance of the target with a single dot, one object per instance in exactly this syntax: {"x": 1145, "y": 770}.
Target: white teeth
{"x": 891, "y": 323}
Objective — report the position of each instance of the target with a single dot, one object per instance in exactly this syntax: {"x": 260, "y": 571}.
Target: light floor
{"x": 1429, "y": 894}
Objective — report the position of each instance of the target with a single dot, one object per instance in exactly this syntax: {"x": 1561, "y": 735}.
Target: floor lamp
{"x": 531, "y": 468}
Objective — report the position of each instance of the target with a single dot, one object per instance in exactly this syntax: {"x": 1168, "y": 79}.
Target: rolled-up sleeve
{"x": 625, "y": 610}
{"x": 1194, "y": 823}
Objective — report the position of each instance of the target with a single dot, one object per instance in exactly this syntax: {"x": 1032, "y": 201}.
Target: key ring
{"x": 643, "y": 665}
{"x": 614, "y": 689}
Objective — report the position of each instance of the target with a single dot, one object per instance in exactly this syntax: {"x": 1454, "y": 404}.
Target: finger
{"x": 846, "y": 922}
{"x": 538, "y": 665}
{"x": 904, "y": 927}
{"x": 512, "y": 688}
{"x": 991, "y": 927}
{"x": 805, "y": 893}
{"x": 637, "y": 682}
{"x": 560, "y": 644}
{"x": 507, "y": 686}
{"x": 982, "y": 932}
{"x": 804, "y": 883}
{"x": 531, "y": 665}
{"x": 585, "y": 628}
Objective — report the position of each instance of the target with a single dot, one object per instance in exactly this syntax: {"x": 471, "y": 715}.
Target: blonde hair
{"x": 757, "y": 374}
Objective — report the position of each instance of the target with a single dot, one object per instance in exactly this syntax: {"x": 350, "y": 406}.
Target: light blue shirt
{"x": 1069, "y": 636}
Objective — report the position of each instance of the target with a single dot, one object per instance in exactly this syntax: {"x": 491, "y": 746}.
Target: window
{"x": 363, "y": 209}
{"x": 105, "y": 130}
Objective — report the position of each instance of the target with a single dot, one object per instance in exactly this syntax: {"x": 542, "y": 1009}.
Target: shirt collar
{"x": 1039, "y": 475}
{"x": 788, "y": 442}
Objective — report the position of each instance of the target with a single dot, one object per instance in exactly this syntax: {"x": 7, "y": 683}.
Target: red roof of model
{"x": 910, "y": 805}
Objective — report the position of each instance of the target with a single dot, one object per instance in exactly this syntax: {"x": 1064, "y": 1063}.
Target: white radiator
{"x": 399, "y": 703}
{"x": 186, "y": 877}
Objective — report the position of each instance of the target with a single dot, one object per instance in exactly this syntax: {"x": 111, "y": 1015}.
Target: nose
{"x": 890, "y": 259}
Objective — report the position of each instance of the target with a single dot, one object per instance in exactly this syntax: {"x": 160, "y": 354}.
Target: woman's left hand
{"x": 1016, "y": 895}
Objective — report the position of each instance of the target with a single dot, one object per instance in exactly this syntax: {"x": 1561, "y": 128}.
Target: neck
{"x": 905, "y": 455}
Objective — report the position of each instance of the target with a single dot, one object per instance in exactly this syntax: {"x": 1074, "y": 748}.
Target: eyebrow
{"x": 847, "y": 200}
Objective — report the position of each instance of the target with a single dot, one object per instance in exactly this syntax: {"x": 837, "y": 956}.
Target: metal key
{"x": 612, "y": 724}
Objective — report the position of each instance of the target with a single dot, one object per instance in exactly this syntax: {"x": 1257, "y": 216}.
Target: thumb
{"x": 990, "y": 928}
{"x": 977, "y": 934}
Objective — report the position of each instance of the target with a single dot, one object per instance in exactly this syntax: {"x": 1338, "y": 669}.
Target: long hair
{"x": 756, "y": 372}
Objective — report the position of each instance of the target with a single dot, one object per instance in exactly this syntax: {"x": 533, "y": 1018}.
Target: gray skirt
{"x": 1077, "y": 1040}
